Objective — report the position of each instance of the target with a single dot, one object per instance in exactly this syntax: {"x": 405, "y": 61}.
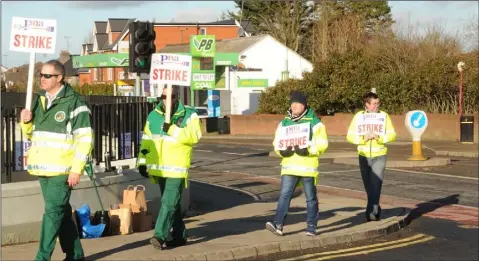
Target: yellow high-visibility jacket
{"x": 371, "y": 148}
{"x": 305, "y": 166}
{"x": 62, "y": 137}
{"x": 169, "y": 154}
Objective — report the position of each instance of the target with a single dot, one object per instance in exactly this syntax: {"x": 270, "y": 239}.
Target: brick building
{"x": 112, "y": 36}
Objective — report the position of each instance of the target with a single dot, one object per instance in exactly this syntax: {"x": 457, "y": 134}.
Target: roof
{"x": 100, "y": 27}
{"x": 247, "y": 25}
{"x": 235, "y": 45}
{"x": 101, "y": 40}
{"x": 69, "y": 70}
{"x": 83, "y": 70}
{"x": 89, "y": 47}
{"x": 115, "y": 41}
{"x": 118, "y": 24}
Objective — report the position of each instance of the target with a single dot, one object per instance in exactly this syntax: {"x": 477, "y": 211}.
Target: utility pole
{"x": 68, "y": 42}
{"x": 4, "y": 63}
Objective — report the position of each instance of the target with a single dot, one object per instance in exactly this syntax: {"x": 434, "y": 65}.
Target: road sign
{"x": 33, "y": 35}
{"x": 418, "y": 119}
{"x": 416, "y": 123}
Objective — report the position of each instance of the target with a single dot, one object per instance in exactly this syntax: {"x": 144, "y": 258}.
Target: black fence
{"x": 117, "y": 123}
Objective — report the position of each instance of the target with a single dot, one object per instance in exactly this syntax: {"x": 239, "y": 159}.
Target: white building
{"x": 271, "y": 58}
{"x": 262, "y": 62}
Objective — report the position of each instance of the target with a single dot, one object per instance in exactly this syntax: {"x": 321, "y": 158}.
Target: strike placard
{"x": 33, "y": 35}
{"x": 371, "y": 122}
{"x": 167, "y": 68}
{"x": 293, "y": 135}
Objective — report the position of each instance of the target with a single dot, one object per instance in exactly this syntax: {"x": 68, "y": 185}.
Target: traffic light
{"x": 142, "y": 46}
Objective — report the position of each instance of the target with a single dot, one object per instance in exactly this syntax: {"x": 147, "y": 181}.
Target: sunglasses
{"x": 48, "y": 76}
{"x": 164, "y": 97}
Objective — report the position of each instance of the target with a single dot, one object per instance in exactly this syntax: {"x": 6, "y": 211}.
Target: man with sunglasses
{"x": 165, "y": 156}
{"x": 59, "y": 127}
{"x": 372, "y": 153}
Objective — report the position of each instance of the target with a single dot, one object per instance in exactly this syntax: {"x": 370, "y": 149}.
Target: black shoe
{"x": 73, "y": 259}
{"x": 176, "y": 243}
{"x": 157, "y": 243}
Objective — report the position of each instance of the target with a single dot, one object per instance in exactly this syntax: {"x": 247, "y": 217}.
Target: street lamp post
{"x": 460, "y": 68}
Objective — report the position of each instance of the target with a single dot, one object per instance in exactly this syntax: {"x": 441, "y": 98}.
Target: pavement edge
{"x": 267, "y": 251}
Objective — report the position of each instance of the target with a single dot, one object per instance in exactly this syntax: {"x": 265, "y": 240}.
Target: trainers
{"x": 310, "y": 234}
{"x": 157, "y": 243}
{"x": 274, "y": 228}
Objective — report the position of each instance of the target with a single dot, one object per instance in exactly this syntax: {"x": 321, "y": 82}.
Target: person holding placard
{"x": 165, "y": 156}
{"x": 62, "y": 139}
{"x": 299, "y": 139}
{"x": 371, "y": 129}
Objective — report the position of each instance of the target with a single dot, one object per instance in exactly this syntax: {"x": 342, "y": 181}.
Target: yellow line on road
{"x": 419, "y": 238}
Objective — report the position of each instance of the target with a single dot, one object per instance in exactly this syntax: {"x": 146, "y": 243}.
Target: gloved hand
{"x": 301, "y": 152}
{"x": 287, "y": 153}
{"x": 143, "y": 171}
{"x": 166, "y": 126}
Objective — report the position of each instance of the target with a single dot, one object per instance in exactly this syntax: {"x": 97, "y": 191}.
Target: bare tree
{"x": 88, "y": 39}
{"x": 471, "y": 33}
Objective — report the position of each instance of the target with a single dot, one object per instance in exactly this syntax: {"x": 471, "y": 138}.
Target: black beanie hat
{"x": 298, "y": 96}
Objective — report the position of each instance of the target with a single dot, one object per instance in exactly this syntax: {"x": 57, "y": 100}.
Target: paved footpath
{"x": 238, "y": 232}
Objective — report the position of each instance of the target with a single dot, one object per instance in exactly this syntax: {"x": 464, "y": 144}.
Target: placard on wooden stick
{"x": 170, "y": 69}
{"x": 32, "y": 35}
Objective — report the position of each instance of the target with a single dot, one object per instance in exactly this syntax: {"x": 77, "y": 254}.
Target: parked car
{"x": 202, "y": 112}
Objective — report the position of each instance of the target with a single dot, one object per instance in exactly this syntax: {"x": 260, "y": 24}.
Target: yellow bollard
{"x": 417, "y": 151}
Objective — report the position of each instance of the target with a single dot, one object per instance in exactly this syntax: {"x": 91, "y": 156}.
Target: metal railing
{"x": 117, "y": 123}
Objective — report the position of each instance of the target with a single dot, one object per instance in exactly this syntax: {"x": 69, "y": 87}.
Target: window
{"x": 95, "y": 74}
{"x": 110, "y": 74}
{"x": 202, "y": 31}
{"x": 206, "y": 63}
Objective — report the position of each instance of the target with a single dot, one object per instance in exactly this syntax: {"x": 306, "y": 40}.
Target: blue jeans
{"x": 372, "y": 173}
{"x": 288, "y": 184}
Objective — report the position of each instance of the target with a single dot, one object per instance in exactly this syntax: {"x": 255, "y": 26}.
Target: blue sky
{"x": 75, "y": 19}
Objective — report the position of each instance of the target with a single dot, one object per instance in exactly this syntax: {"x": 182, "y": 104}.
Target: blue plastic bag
{"x": 88, "y": 230}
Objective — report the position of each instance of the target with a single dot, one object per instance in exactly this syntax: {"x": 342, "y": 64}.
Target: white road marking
{"x": 235, "y": 153}
{"x": 432, "y": 174}
{"x": 205, "y": 150}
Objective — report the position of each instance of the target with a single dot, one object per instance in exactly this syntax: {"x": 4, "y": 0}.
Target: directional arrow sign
{"x": 416, "y": 123}
{"x": 418, "y": 119}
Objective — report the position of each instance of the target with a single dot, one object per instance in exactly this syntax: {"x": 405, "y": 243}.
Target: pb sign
{"x": 202, "y": 45}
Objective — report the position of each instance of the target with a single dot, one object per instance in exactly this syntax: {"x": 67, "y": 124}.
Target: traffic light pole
{"x": 138, "y": 85}
{"x": 192, "y": 97}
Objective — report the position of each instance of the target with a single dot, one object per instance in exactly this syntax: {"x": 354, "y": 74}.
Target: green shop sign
{"x": 252, "y": 83}
{"x": 201, "y": 79}
{"x": 202, "y": 45}
{"x": 101, "y": 60}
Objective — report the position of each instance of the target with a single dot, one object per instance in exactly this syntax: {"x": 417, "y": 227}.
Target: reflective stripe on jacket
{"x": 305, "y": 166}
{"x": 169, "y": 154}
{"x": 62, "y": 137}
{"x": 371, "y": 148}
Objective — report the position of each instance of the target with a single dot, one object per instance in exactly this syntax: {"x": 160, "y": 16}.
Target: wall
{"x": 22, "y": 224}
{"x": 440, "y": 126}
{"x": 173, "y": 34}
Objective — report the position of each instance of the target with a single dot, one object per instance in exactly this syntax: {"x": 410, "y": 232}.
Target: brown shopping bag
{"x": 135, "y": 196}
{"x": 142, "y": 222}
{"x": 121, "y": 221}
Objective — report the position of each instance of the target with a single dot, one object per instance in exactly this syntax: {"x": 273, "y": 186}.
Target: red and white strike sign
{"x": 371, "y": 122}
{"x": 173, "y": 69}
{"x": 33, "y": 35}
{"x": 297, "y": 134}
